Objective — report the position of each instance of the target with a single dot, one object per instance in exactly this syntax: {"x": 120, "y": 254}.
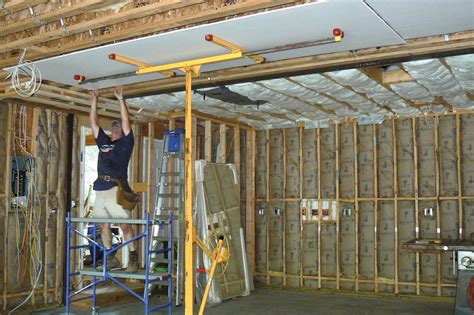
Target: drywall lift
{"x": 192, "y": 68}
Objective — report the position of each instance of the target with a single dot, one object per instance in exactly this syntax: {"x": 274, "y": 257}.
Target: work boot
{"x": 132, "y": 263}
{"x": 112, "y": 264}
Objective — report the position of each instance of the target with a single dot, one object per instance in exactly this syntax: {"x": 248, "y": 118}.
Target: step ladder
{"x": 169, "y": 202}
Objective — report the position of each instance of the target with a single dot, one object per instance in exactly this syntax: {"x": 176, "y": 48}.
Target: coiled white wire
{"x": 25, "y": 69}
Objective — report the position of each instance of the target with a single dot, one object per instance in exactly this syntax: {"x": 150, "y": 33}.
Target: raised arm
{"x": 126, "y": 125}
{"x": 93, "y": 114}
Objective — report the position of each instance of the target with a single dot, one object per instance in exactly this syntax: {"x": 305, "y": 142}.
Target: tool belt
{"x": 126, "y": 197}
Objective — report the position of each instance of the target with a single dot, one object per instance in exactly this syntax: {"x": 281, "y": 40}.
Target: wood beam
{"x": 156, "y": 26}
{"x": 385, "y": 77}
{"x": 85, "y": 26}
{"x": 250, "y": 198}
{"x": 55, "y": 15}
{"x": 208, "y": 140}
{"x": 222, "y": 154}
{"x": 18, "y": 5}
{"x": 312, "y": 64}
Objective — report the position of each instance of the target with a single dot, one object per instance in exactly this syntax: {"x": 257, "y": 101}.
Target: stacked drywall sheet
{"x": 218, "y": 213}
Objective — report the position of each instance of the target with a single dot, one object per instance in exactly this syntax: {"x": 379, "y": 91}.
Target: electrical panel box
{"x": 22, "y": 170}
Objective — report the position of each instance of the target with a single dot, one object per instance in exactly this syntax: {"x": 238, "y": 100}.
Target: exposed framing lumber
{"x": 386, "y": 77}
{"x": 300, "y": 130}
{"x": 208, "y": 140}
{"x": 7, "y": 192}
{"x": 154, "y": 27}
{"x": 54, "y": 16}
{"x": 46, "y": 215}
{"x": 413, "y": 49}
{"x": 285, "y": 157}
{"x": 267, "y": 189}
{"x": 236, "y": 137}
{"x": 437, "y": 188}
{"x": 150, "y": 180}
{"x": 459, "y": 174}
{"x": 126, "y": 15}
{"x": 417, "y": 203}
{"x": 320, "y": 203}
{"x": 216, "y": 119}
{"x": 376, "y": 206}
{"x": 222, "y": 144}
{"x": 356, "y": 200}
{"x": 250, "y": 197}
{"x": 18, "y": 5}
{"x": 396, "y": 198}
{"x": 337, "y": 127}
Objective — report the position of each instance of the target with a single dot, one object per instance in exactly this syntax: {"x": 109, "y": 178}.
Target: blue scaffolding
{"x": 99, "y": 276}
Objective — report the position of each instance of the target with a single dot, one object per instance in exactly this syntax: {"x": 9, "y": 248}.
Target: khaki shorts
{"x": 105, "y": 205}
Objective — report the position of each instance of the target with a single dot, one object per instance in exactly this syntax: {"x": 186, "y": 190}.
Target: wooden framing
{"x": 459, "y": 175}
{"x": 150, "y": 180}
{"x": 7, "y": 192}
{"x": 414, "y": 198}
{"x": 222, "y": 143}
{"x": 417, "y": 206}
{"x": 437, "y": 188}
{"x": 236, "y": 137}
{"x": 267, "y": 189}
{"x": 208, "y": 140}
{"x": 285, "y": 205}
{"x": 376, "y": 206}
{"x": 320, "y": 203}
{"x": 338, "y": 148}
{"x": 250, "y": 198}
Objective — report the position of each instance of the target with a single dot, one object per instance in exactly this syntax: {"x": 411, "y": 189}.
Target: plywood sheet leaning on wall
{"x": 222, "y": 209}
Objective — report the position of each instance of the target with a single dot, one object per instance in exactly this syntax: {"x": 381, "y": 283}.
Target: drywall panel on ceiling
{"x": 421, "y": 18}
{"x": 309, "y": 22}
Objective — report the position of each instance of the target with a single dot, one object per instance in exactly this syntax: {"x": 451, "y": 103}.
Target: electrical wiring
{"x": 20, "y": 74}
{"x": 29, "y": 251}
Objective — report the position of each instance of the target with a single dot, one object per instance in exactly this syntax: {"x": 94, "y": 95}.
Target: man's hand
{"x": 118, "y": 91}
{"x": 94, "y": 93}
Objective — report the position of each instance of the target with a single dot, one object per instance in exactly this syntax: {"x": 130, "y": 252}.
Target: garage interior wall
{"x": 388, "y": 176}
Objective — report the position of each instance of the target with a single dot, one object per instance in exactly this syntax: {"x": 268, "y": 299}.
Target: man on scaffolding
{"x": 114, "y": 155}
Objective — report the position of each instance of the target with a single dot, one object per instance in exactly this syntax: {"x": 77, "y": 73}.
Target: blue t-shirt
{"x": 114, "y": 157}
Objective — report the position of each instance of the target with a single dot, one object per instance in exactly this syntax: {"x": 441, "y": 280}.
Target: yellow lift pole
{"x": 192, "y": 68}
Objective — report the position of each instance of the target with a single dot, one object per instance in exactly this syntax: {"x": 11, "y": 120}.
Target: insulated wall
{"x": 39, "y": 135}
{"x": 392, "y": 182}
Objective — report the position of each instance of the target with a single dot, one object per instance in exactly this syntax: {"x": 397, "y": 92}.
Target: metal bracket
{"x": 34, "y": 18}
{"x": 63, "y": 26}
{"x": 91, "y": 37}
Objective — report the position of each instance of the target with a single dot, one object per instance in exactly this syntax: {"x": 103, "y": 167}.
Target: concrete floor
{"x": 282, "y": 302}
